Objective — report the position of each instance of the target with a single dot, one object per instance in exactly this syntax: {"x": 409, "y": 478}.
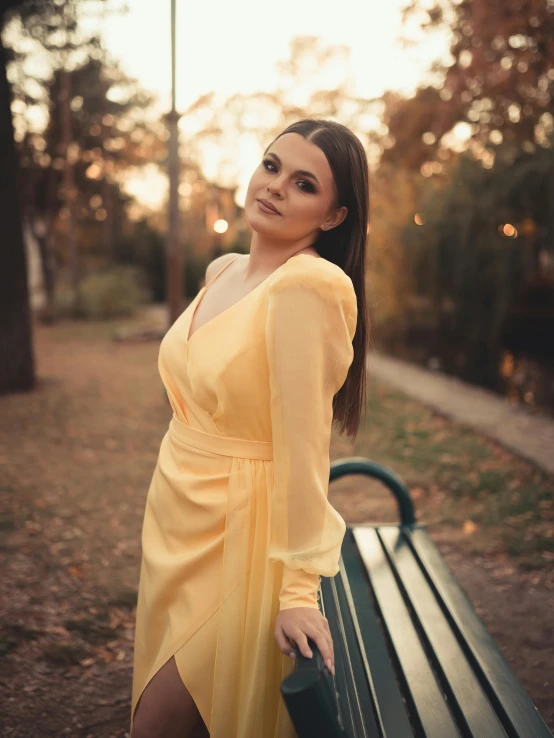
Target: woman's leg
{"x": 166, "y": 709}
{"x": 200, "y": 731}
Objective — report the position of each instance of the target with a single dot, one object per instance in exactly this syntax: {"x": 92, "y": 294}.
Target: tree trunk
{"x": 17, "y": 367}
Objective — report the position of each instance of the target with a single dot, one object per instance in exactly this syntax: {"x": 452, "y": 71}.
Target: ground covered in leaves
{"x": 76, "y": 458}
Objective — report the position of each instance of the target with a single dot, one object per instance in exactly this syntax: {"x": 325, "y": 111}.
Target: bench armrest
{"x": 360, "y": 465}
{"x": 310, "y": 699}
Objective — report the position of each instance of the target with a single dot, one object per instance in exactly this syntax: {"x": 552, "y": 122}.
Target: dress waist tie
{"x": 224, "y": 445}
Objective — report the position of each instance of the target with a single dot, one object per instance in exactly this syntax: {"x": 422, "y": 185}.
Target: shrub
{"x": 110, "y": 294}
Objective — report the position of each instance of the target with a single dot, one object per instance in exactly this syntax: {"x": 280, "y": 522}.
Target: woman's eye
{"x": 309, "y": 186}
{"x": 306, "y": 186}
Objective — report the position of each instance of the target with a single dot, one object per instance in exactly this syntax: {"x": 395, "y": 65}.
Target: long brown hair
{"x": 345, "y": 246}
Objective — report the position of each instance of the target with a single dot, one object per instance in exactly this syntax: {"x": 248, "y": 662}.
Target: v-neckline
{"x": 204, "y": 289}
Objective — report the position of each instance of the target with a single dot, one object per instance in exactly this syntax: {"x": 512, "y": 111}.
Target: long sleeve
{"x": 311, "y": 322}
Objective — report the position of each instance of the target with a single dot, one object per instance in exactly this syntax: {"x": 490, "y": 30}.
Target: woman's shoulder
{"x": 317, "y": 274}
{"x": 314, "y": 272}
{"x": 217, "y": 264}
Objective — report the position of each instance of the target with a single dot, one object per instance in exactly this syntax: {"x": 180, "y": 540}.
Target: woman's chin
{"x": 262, "y": 224}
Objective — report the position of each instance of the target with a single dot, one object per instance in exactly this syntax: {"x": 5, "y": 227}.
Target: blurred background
{"x": 453, "y": 104}
{"x": 128, "y": 134}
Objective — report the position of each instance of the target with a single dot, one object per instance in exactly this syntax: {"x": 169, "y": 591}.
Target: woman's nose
{"x": 276, "y": 186}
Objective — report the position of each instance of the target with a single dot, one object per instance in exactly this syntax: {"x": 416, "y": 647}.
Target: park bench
{"x": 412, "y": 657}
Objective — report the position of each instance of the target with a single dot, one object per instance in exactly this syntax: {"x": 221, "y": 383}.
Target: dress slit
{"x": 177, "y": 651}
{"x": 195, "y": 663}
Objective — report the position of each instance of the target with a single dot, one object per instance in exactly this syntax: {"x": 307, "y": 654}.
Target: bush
{"x": 63, "y": 302}
{"x": 114, "y": 293}
{"x": 145, "y": 248}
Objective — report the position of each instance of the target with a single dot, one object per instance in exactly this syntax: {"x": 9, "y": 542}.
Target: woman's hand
{"x": 299, "y": 623}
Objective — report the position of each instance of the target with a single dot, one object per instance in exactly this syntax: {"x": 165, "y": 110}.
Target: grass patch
{"x": 462, "y": 475}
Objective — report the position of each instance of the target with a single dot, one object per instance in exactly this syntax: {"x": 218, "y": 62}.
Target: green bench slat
{"x": 356, "y": 710}
{"x": 380, "y": 673}
{"x": 513, "y": 705}
{"x": 469, "y": 704}
{"x": 426, "y": 702}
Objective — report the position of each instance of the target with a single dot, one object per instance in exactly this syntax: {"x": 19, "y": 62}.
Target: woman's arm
{"x": 311, "y": 322}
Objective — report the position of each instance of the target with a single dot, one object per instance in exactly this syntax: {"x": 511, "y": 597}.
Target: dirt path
{"x": 76, "y": 459}
{"x": 77, "y": 456}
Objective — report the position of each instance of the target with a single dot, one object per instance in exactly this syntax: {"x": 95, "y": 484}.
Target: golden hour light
{"x": 185, "y": 369}
{"x": 528, "y": 227}
{"x": 221, "y": 226}
{"x": 509, "y": 230}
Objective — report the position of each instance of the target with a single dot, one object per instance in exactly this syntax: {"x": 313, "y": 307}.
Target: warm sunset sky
{"x": 231, "y": 47}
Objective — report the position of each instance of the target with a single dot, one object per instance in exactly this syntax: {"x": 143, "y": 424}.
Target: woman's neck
{"x": 267, "y": 255}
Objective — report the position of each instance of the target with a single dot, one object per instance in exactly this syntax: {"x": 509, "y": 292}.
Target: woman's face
{"x": 295, "y": 177}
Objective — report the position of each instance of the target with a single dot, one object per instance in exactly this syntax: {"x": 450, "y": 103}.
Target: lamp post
{"x": 174, "y": 274}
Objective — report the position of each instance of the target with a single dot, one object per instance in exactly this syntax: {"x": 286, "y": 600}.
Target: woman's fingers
{"x": 283, "y": 642}
{"x": 299, "y": 624}
{"x": 328, "y": 629}
{"x": 330, "y": 646}
{"x": 323, "y": 641}
{"x": 301, "y": 641}
{"x": 328, "y": 640}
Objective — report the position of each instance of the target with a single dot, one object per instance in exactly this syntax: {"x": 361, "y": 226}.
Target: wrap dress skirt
{"x": 237, "y": 523}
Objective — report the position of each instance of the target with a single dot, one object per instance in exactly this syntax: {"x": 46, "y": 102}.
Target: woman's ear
{"x": 336, "y": 219}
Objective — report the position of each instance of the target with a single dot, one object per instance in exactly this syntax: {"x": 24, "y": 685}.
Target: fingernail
{"x": 328, "y": 664}
{"x": 293, "y": 655}
{"x": 310, "y": 654}
{"x": 333, "y": 670}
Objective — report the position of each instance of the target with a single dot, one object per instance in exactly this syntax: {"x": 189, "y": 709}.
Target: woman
{"x": 238, "y": 529}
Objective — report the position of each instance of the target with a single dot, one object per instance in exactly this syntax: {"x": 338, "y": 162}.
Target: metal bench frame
{"x": 412, "y": 657}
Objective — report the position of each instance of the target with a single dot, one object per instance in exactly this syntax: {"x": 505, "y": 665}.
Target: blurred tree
{"x": 479, "y": 242}
{"x": 394, "y": 198}
{"x": 501, "y": 79}
{"x": 56, "y": 27}
{"x": 17, "y": 370}
{"x": 110, "y": 137}
{"x": 97, "y": 131}
{"x": 494, "y": 101}
{"x": 414, "y": 127}
{"x": 145, "y": 246}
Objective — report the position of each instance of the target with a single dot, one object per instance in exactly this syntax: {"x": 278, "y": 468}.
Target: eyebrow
{"x": 303, "y": 172}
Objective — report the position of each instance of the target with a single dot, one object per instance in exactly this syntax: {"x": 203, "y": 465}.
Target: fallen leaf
{"x": 469, "y": 527}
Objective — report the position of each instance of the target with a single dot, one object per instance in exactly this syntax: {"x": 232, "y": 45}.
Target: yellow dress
{"x": 237, "y": 522}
